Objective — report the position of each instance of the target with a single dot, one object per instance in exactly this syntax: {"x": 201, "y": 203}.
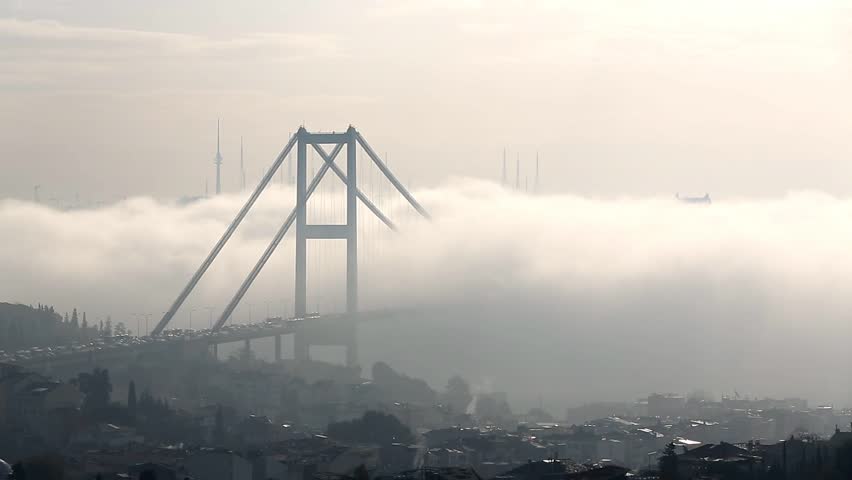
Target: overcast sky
{"x": 110, "y": 99}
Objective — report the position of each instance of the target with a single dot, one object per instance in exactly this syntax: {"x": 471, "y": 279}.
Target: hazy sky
{"x": 110, "y": 99}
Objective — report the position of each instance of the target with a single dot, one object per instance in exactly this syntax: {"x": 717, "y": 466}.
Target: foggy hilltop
{"x": 561, "y": 297}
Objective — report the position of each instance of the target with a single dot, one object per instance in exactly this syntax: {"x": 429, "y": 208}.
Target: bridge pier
{"x": 301, "y": 347}
{"x": 277, "y": 348}
{"x": 247, "y": 345}
{"x": 342, "y": 333}
{"x": 214, "y": 349}
{"x": 352, "y": 353}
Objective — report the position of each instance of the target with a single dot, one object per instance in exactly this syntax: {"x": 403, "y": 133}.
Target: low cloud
{"x": 569, "y": 297}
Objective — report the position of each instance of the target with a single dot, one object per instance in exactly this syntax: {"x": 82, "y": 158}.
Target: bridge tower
{"x": 306, "y": 231}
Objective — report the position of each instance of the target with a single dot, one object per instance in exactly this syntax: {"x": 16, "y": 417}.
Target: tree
{"x": 120, "y": 329}
{"x": 373, "y": 428}
{"x": 843, "y": 459}
{"x": 96, "y": 388}
{"x": 219, "y": 428}
{"x": 131, "y": 398}
{"x": 148, "y": 475}
{"x": 18, "y": 471}
{"x": 458, "y": 394}
{"x": 42, "y": 467}
{"x": 361, "y": 473}
{"x": 668, "y": 463}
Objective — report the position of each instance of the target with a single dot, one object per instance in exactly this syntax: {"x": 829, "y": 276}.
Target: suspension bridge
{"x": 335, "y": 328}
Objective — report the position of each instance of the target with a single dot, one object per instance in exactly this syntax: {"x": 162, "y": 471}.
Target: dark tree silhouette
{"x": 373, "y": 428}
{"x": 43, "y": 467}
{"x": 843, "y": 460}
{"x": 96, "y": 388}
{"x": 18, "y": 471}
{"x": 219, "y": 428}
{"x": 668, "y": 463}
{"x": 458, "y": 394}
{"x": 361, "y": 473}
{"x": 148, "y": 475}
{"x": 131, "y": 398}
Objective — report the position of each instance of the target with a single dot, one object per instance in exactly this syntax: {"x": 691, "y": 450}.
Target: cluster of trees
{"x": 374, "y": 428}
{"x": 152, "y": 416}
{"x": 24, "y": 326}
{"x": 41, "y": 467}
{"x": 100, "y": 329}
{"x": 402, "y": 388}
{"x": 457, "y": 395}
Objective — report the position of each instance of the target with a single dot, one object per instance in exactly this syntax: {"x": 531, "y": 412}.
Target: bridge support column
{"x": 214, "y": 351}
{"x": 300, "y": 302}
{"x": 352, "y": 242}
{"x": 351, "y": 222}
{"x": 277, "y": 348}
{"x": 352, "y": 353}
{"x": 247, "y": 345}
{"x": 301, "y": 347}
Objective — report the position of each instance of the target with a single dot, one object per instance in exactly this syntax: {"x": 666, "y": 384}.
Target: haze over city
{"x": 614, "y": 216}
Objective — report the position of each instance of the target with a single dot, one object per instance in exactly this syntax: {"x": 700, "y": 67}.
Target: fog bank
{"x": 566, "y": 297}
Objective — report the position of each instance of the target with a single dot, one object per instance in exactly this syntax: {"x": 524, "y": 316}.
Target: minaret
{"x": 518, "y": 172}
{"x": 218, "y": 162}
{"x": 504, "y": 166}
{"x": 242, "y": 166}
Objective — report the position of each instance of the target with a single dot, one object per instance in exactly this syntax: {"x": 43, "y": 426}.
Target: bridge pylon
{"x": 306, "y": 231}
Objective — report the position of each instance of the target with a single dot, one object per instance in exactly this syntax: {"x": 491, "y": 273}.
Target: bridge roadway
{"x": 106, "y": 351}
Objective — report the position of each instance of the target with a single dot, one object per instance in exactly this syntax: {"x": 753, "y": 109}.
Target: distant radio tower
{"x": 218, "y": 162}
{"x": 535, "y": 185}
{"x": 504, "y": 167}
{"x": 242, "y": 166}
{"x": 518, "y": 172}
